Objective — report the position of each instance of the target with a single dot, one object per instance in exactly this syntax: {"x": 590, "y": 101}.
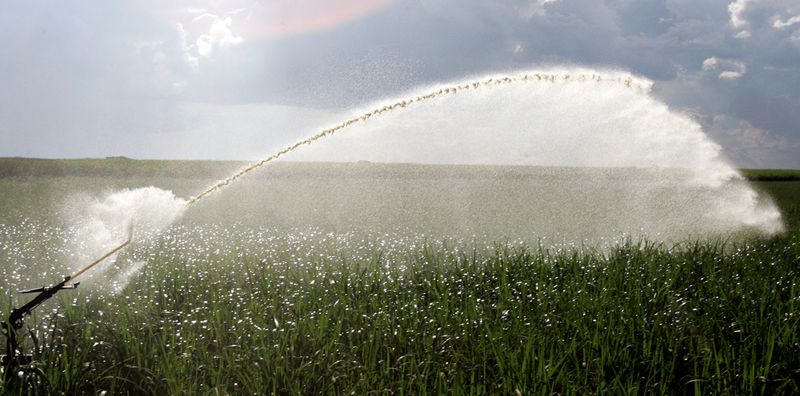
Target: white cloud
{"x": 746, "y": 15}
{"x": 186, "y": 48}
{"x": 736, "y": 10}
{"x": 710, "y": 63}
{"x": 214, "y": 33}
{"x": 738, "y": 21}
{"x": 219, "y": 34}
{"x": 779, "y": 24}
{"x": 730, "y": 75}
{"x": 730, "y": 69}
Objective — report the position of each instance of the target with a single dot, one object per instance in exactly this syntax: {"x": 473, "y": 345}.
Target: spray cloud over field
{"x": 665, "y": 178}
{"x": 614, "y": 161}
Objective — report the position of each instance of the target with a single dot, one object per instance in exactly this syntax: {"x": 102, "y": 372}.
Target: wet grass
{"x": 227, "y": 309}
{"x": 436, "y": 319}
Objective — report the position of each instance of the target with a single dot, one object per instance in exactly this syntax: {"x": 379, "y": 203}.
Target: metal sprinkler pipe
{"x": 98, "y": 261}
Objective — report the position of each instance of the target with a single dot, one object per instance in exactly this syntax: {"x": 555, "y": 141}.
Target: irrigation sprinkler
{"x": 12, "y": 358}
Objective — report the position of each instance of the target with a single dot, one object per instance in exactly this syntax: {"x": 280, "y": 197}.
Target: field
{"x": 227, "y": 305}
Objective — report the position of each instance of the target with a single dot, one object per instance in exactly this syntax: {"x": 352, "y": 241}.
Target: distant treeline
{"x": 771, "y": 174}
{"x": 122, "y": 167}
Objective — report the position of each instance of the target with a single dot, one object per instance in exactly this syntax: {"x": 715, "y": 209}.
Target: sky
{"x": 238, "y": 79}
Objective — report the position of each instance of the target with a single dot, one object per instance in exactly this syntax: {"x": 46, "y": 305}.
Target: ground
{"x": 224, "y": 306}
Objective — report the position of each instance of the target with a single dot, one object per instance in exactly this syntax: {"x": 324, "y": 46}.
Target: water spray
{"x": 15, "y": 319}
{"x": 635, "y": 131}
{"x": 625, "y": 80}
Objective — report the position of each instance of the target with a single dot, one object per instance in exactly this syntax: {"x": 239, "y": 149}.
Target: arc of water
{"x": 623, "y": 79}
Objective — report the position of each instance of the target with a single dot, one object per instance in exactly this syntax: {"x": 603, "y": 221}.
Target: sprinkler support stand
{"x": 15, "y": 319}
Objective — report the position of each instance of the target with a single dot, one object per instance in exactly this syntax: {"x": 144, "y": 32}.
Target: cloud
{"x": 750, "y": 146}
{"x": 736, "y": 10}
{"x": 738, "y": 20}
{"x": 214, "y": 34}
{"x": 749, "y": 15}
{"x": 187, "y": 49}
{"x": 730, "y": 75}
{"x": 780, "y": 24}
{"x": 163, "y": 53}
{"x": 731, "y": 69}
{"x": 219, "y": 34}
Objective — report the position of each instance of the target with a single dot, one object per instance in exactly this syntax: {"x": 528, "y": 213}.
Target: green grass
{"x": 227, "y": 310}
{"x": 638, "y": 319}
